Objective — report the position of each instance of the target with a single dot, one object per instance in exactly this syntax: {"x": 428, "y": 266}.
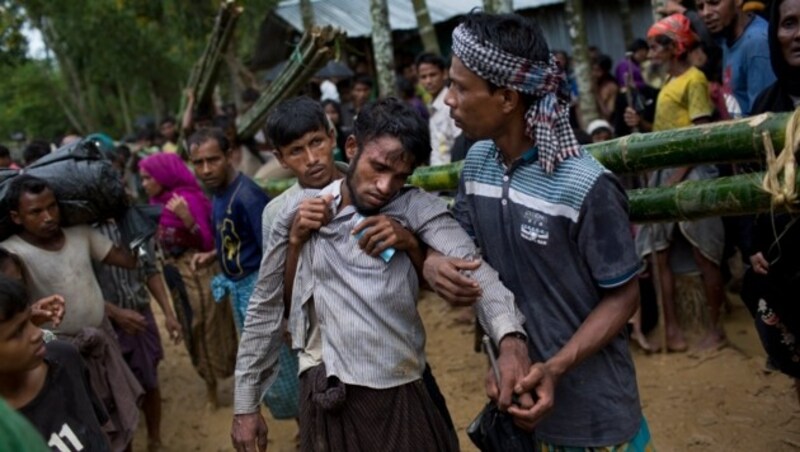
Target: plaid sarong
{"x": 640, "y": 443}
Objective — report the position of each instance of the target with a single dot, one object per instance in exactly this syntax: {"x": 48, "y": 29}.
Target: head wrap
{"x": 175, "y": 178}
{"x": 547, "y": 120}
{"x": 676, "y": 27}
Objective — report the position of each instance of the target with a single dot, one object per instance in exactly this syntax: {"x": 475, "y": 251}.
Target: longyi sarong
{"x": 335, "y": 417}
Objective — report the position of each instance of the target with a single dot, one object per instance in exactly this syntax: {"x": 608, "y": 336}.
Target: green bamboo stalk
{"x": 316, "y": 48}
{"x": 689, "y": 200}
{"x": 721, "y": 142}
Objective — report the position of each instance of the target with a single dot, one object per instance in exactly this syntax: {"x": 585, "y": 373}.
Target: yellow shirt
{"x": 682, "y": 100}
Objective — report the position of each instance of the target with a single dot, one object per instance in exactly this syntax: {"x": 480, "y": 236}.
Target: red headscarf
{"x": 676, "y": 27}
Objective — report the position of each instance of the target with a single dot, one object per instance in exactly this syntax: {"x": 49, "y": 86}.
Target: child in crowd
{"x": 47, "y": 383}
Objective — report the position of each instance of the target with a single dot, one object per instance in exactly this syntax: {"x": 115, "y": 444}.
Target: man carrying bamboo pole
{"x": 554, "y": 223}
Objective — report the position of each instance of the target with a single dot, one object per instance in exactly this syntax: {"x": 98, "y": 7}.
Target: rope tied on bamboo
{"x": 783, "y": 192}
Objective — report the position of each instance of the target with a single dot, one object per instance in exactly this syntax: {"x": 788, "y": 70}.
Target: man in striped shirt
{"x": 554, "y": 223}
{"x": 367, "y": 393}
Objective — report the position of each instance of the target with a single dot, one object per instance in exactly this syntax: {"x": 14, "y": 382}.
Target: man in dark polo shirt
{"x": 554, "y": 224}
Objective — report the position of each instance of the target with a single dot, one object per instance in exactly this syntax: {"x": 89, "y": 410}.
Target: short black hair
{"x": 168, "y": 120}
{"x": 13, "y": 298}
{"x": 294, "y": 118}
{"x": 21, "y": 184}
{"x": 336, "y": 105}
{"x": 250, "y": 95}
{"x": 394, "y": 118}
{"x": 604, "y": 62}
{"x": 638, "y": 44}
{"x": 211, "y": 133}
{"x": 430, "y": 58}
{"x": 363, "y": 80}
{"x": 35, "y": 150}
{"x": 512, "y": 33}
{"x": 4, "y": 152}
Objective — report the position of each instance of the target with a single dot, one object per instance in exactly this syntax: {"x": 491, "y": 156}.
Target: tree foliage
{"x": 116, "y": 60}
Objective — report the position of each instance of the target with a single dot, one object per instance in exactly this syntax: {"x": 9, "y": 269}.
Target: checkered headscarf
{"x": 548, "y": 118}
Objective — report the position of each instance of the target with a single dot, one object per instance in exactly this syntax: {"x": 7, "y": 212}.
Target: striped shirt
{"x": 125, "y": 288}
{"x": 372, "y": 334}
{"x": 560, "y": 241}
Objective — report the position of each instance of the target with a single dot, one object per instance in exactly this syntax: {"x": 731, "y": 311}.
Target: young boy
{"x": 47, "y": 383}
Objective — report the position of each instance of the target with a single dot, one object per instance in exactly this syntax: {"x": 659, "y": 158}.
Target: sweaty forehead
{"x": 388, "y": 150}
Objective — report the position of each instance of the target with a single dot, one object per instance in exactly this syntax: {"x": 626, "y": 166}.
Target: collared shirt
{"x": 443, "y": 130}
{"x": 372, "y": 334}
{"x": 558, "y": 241}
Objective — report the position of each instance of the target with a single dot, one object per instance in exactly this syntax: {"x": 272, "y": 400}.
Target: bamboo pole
{"x": 689, "y": 200}
{"x": 721, "y": 142}
{"x": 315, "y": 49}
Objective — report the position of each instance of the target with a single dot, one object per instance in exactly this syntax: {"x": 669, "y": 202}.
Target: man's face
{"x": 5, "y": 162}
{"x": 718, "y": 15}
{"x": 377, "y": 173}
{"x": 169, "y": 130}
{"x": 431, "y": 78}
{"x": 640, "y": 56}
{"x": 211, "y": 164}
{"x": 475, "y": 110}
{"x": 310, "y": 158}
{"x": 601, "y": 135}
{"x": 659, "y": 54}
{"x": 21, "y": 344}
{"x": 38, "y": 214}
{"x": 360, "y": 94}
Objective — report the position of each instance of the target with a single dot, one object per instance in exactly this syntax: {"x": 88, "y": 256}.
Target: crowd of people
{"x": 309, "y": 299}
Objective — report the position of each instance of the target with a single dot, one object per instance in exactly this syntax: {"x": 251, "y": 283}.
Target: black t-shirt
{"x": 67, "y": 412}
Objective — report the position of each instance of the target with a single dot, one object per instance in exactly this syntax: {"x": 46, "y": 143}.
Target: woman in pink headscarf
{"x": 183, "y": 230}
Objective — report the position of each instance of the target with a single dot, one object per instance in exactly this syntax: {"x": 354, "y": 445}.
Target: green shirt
{"x": 16, "y": 433}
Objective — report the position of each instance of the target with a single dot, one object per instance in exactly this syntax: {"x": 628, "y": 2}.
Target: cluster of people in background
{"x": 208, "y": 269}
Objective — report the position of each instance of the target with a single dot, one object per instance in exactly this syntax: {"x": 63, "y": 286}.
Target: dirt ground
{"x": 721, "y": 401}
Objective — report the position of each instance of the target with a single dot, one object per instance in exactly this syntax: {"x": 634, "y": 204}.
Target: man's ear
{"x": 511, "y": 99}
{"x": 279, "y": 156}
{"x": 351, "y": 147}
{"x": 15, "y": 217}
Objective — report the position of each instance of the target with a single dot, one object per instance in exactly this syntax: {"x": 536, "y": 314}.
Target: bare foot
{"x": 714, "y": 340}
{"x": 643, "y": 343}
{"x": 676, "y": 343}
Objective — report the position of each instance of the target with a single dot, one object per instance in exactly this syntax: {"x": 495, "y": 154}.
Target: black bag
{"x": 494, "y": 431}
{"x": 87, "y": 187}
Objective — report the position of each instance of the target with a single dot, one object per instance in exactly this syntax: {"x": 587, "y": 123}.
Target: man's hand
{"x": 174, "y": 329}
{"x": 382, "y": 232}
{"x": 249, "y": 430}
{"x": 446, "y": 277}
{"x": 202, "y": 260}
{"x": 312, "y": 214}
{"x": 48, "y": 309}
{"x": 542, "y": 382}
{"x": 513, "y": 363}
{"x": 760, "y": 265}
{"x": 129, "y": 320}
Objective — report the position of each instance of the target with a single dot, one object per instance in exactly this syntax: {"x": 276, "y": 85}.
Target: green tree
{"x": 28, "y": 103}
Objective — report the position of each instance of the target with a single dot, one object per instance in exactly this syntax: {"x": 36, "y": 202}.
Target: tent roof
{"x": 353, "y": 16}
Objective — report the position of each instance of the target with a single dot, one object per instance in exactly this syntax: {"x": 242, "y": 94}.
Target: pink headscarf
{"x": 175, "y": 178}
{"x": 676, "y": 27}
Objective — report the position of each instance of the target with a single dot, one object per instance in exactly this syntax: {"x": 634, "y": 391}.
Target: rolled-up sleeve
{"x": 435, "y": 225}
{"x": 257, "y": 360}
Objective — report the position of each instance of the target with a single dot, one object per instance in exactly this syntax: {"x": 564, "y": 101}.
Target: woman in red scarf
{"x": 183, "y": 230}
